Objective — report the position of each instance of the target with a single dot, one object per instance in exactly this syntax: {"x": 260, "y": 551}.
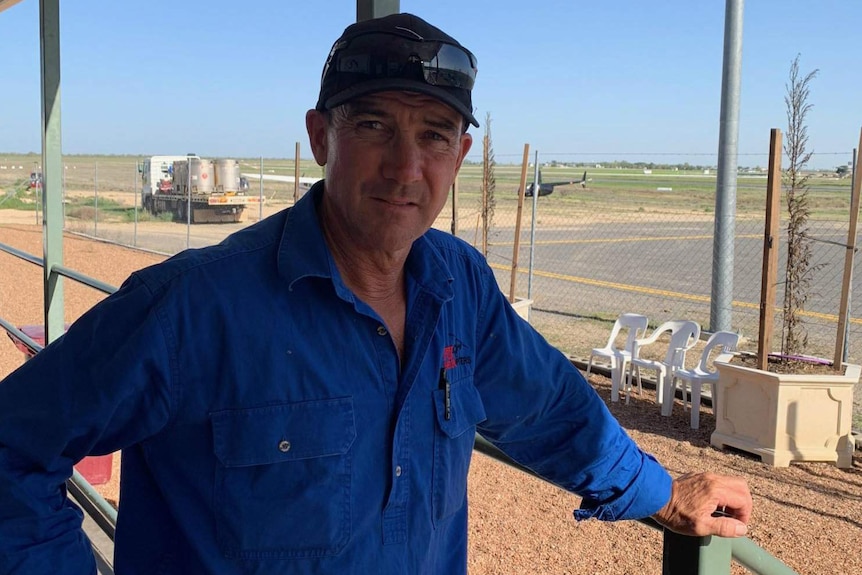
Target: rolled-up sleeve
{"x": 543, "y": 413}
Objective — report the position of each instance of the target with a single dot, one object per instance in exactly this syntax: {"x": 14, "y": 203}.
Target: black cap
{"x": 452, "y": 87}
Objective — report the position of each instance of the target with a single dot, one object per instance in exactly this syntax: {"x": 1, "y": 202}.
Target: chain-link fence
{"x": 629, "y": 239}
{"x": 641, "y": 240}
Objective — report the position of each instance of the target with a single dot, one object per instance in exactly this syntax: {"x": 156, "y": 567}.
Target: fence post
{"x": 135, "y": 196}
{"x": 847, "y": 281}
{"x": 296, "y": 173}
{"x": 63, "y": 194}
{"x": 454, "y": 224}
{"x": 533, "y": 226}
{"x": 96, "y": 199}
{"x": 847, "y": 319}
{"x": 189, "y": 202}
{"x": 260, "y": 191}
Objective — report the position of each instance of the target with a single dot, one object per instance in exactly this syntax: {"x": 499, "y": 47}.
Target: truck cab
{"x": 157, "y": 173}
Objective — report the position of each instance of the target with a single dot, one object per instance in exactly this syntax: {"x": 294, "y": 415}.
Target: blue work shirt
{"x": 268, "y": 426}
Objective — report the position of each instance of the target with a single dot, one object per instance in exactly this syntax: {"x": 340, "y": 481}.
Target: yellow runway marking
{"x": 621, "y": 240}
{"x": 661, "y": 292}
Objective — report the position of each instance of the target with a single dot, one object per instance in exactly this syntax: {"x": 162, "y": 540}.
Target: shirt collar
{"x": 303, "y": 252}
{"x": 428, "y": 268}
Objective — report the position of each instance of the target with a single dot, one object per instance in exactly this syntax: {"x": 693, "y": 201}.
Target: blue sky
{"x": 579, "y": 81}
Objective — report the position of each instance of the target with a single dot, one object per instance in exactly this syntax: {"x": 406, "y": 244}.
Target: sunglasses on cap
{"x": 379, "y": 55}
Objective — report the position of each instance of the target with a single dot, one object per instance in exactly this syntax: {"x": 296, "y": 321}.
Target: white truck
{"x": 212, "y": 189}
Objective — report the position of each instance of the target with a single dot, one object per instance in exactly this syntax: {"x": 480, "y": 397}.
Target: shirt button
{"x": 381, "y": 330}
{"x": 398, "y": 471}
{"x": 284, "y": 446}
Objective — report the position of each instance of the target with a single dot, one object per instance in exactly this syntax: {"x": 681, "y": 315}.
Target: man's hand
{"x": 707, "y": 504}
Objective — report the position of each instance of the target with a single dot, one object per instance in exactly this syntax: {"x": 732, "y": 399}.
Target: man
{"x": 337, "y": 440}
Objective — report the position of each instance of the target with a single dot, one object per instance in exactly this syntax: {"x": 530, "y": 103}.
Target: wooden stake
{"x": 769, "y": 272}
{"x": 848, "y": 262}
{"x": 517, "y": 243}
{"x": 455, "y": 207}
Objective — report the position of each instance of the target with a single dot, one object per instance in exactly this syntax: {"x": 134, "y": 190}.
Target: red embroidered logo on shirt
{"x": 449, "y": 357}
{"x": 456, "y": 354}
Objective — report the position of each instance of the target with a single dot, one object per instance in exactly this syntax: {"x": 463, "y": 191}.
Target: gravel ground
{"x": 808, "y": 515}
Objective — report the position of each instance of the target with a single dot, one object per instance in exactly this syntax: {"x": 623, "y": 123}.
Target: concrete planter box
{"x": 523, "y": 307}
{"x": 784, "y": 417}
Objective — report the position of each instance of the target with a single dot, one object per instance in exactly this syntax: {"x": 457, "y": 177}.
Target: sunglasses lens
{"x": 372, "y": 56}
{"x": 451, "y": 67}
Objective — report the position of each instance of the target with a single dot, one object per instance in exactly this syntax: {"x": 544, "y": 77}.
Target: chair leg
{"x": 589, "y": 364}
{"x": 629, "y": 389}
{"x": 621, "y": 370}
{"x": 695, "y": 404}
{"x": 628, "y": 385}
{"x": 616, "y": 379}
{"x": 686, "y": 393}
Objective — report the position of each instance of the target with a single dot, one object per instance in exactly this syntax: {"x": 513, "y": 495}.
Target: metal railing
{"x": 681, "y": 555}
{"x": 93, "y": 504}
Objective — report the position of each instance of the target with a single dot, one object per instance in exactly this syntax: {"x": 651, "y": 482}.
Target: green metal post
{"x": 684, "y": 555}
{"x": 368, "y": 9}
{"x": 52, "y": 167}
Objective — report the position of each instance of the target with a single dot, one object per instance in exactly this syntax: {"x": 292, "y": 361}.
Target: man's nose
{"x": 403, "y": 162}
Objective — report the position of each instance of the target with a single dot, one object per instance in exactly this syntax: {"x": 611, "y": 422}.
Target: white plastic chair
{"x": 618, "y": 357}
{"x": 683, "y": 336}
{"x": 725, "y": 342}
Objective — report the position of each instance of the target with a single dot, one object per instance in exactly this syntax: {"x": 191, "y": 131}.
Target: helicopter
{"x": 546, "y": 188}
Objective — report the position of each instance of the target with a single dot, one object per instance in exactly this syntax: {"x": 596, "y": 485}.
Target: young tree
{"x": 489, "y": 184}
{"x": 798, "y": 272}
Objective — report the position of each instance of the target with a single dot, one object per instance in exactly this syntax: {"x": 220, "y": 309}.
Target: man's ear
{"x": 316, "y": 124}
{"x": 466, "y": 143}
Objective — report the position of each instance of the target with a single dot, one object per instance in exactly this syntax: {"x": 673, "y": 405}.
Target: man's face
{"x": 390, "y": 159}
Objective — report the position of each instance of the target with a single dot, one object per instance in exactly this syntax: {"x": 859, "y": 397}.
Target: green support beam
{"x": 368, "y": 9}
{"x": 52, "y": 167}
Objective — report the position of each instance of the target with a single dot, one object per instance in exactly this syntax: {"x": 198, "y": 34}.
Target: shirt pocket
{"x": 453, "y": 444}
{"x": 282, "y": 481}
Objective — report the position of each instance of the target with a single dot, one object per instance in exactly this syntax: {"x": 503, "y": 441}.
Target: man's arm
{"x": 102, "y": 386}
{"x": 545, "y": 415}
{"x": 542, "y": 413}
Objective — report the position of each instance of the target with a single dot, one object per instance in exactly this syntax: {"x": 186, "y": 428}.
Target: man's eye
{"x": 432, "y": 135}
{"x": 370, "y": 124}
